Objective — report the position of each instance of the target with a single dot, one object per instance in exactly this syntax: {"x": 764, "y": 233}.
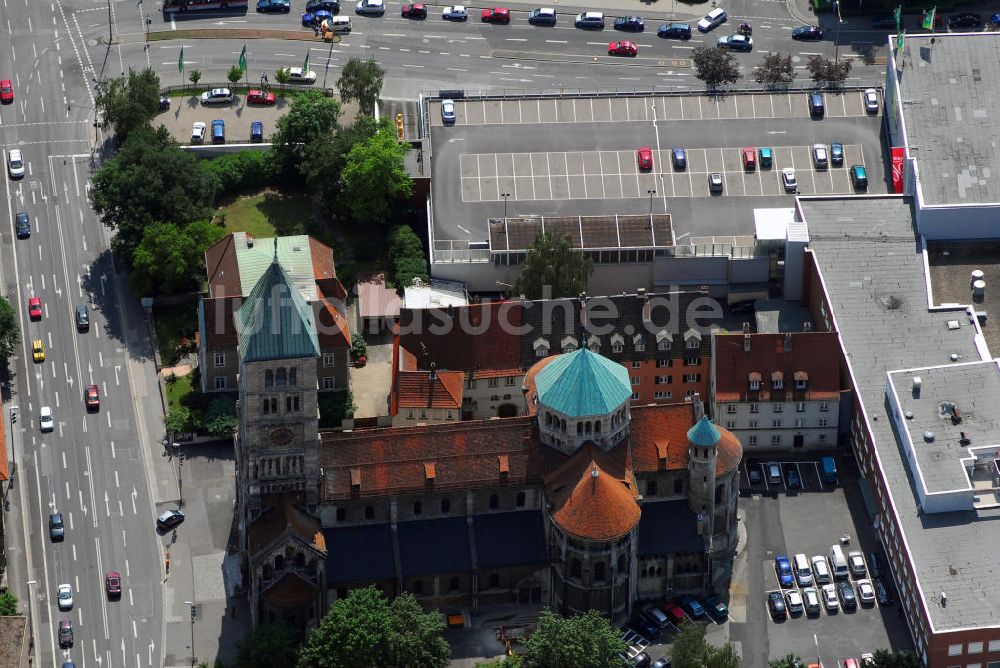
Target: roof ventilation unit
{"x": 908, "y": 415}
{"x": 929, "y": 436}
{"x": 979, "y": 289}
{"x": 917, "y": 382}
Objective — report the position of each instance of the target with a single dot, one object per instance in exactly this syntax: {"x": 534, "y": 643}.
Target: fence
{"x": 243, "y": 87}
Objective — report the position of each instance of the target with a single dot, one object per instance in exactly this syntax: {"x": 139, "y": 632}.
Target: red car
{"x": 645, "y": 157}
{"x": 113, "y": 584}
{"x": 496, "y": 15}
{"x": 674, "y": 612}
{"x": 92, "y": 397}
{"x": 35, "y": 308}
{"x": 414, "y": 11}
{"x": 6, "y": 91}
{"x": 749, "y": 159}
{"x": 261, "y": 97}
{"x": 625, "y": 48}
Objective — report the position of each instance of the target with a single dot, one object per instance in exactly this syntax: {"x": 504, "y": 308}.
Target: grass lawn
{"x": 177, "y": 389}
{"x": 268, "y": 213}
{"x": 174, "y": 323}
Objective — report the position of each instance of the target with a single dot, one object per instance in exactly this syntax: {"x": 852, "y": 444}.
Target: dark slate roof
{"x": 668, "y": 527}
{"x": 510, "y": 539}
{"x": 275, "y": 322}
{"x": 434, "y": 546}
{"x": 362, "y": 552}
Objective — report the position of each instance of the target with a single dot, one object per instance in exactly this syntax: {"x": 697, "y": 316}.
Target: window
{"x": 650, "y": 488}
{"x": 445, "y": 506}
{"x": 423, "y": 413}
{"x": 268, "y": 378}
{"x": 798, "y": 423}
{"x": 493, "y": 382}
{"x": 640, "y": 346}
{"x": 292, "y": 404}
{"x": 730, "y": 424}
{"x": 754, "y": 385}
{"x": 778, "y": 408}
{"x": 280, "y": 377}
{"x": 689, "y": 393}
{"x": 776, "y": 439}
{"x": 824, "y": 407}
{"x": 801, "y": 384}
{"x": 778, "y": 383}
{"x": 494, "y": 581}
{"x": 220, "y": 382}
{"x": 800, "y": 407}
{"x": 775, "y": 424}
{"x": 692, "y": 378}
{"x": 327, "y": 359}
{"x": 409, "y": 414}
{"x": 664, "y": 380}
{"x": 494, "y": 501}
{"x": 220, "y": 359}
{"x": 693, "y": 343}
{"x": 994, "y": 646}
{"x": 975, "y": 648}
{"x": 541, "y": 352}
{"x": 635, "y": 396}
{"x": 679, "y": 486}
{"x": 663, "y": 344}
{"x": 267, "y": 405}
{"x": 754, "y": 408}
{"x": 636, "y": 364}
{"x": 636, "y": 380}
{"x": 508, "y": 381}
{"x": 293, "y": 376}
{"x": 600, "y": 571}
{"x": 752, "y": 440}
{"x": 662, "y": 395}
{"x": 576, "y": 568}
{"x": 417, "y": 507}
{"x": 753, "y": 424}
{"x": 664, "y": 364}
{"x": 453, "y": 585}
{"x": 418, "y": 587}
{"x": 617, "y": 348}
{"x": 520, "y": 499}
{"x": 329, "y": 383}
{"x": 955, "y": 650}
{"x": 692, "y": 361}
{"x": 823, "y": 422}
{"x": 731, "y": 409}
{"x": 369, "y": 512}
{"x": 341, "y": 514}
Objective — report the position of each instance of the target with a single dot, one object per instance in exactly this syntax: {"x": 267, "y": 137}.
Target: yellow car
{"x": 38, "y": 350}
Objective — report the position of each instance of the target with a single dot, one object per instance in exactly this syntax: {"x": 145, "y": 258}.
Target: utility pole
{"x": 194, "y": 616}
{"x": 505, "y": 196}
{"x": 111, "y": 35}
{"x": 651, "y": 192}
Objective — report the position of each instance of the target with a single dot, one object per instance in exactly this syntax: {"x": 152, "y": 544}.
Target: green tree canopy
{"x": 715, "y": 66}
{"x": 178, "y": 420}
{"x": 690, "y": 650}
{"x": 235, "y": 74}
{"x": 553, "y": 269}
{"x": 885, "y": 658}
{"x": 310, "y": 116}
{"x": 128, "y": 103}
{"x": 150, "y": 180}
{"x": 10, "y": 330}
{"x": 825, "y": 71}
{"x": 8, "y": 605}
{"x": 406, "y": 253}
{"x": 374, "y": 176}
{"x": 365, "y": 630}
{"x": 361, "y": 80}
{"x": 220, "y": 417}
{"x": 583, "y": 641}
{"x": 325, "y": 156}
{"x": 171, "y": 259}
{"x": 787, "y": 661}
{"x": 267, "y": 646}
{"x": 775, "y": 70}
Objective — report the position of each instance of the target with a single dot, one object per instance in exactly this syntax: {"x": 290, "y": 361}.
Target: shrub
{"x": 243, "y": 171}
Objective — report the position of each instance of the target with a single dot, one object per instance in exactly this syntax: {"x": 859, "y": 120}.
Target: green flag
{"x": 897, "y": 14}
{"x": 899, "y": 39}
{"x": 180, "y": 61}
{"x": 927, "y": 23}
{"x": 305, "y": 64}
{"x": 243, "y": 59}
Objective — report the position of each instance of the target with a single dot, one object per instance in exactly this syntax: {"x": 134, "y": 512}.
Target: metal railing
{"x": 243, "y": 87}
{"x": 657, "y": 91}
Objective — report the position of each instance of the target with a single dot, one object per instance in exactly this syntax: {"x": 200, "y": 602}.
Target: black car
{"x": 882, "y": 592}
{"x": 274, "y": 6}
{"x": 848, "y": 598}
{"x": 807, "y": 33}
{"x": 674, "y": 30}
{"x": 874, "y": 564}
{"x": 887, "y": 22}
{"x": 169, "y": 520}
{"x": 23, "y": 225}
{"x": 82, "y": 317}
{"x": 647, "y": 627}
{"x": 792, "y": 478}
{"x": 816, "y": 106}
{"x": 332, "y": 6}
{"x": 57, "y": 530}
{"x": 164, "y": 103}
{"x": 965, "y": 20}
{"x": 630, "y": 23}
{"x": 642, "y": 660}
{"x": 65, "y": 633}
{"x": 776, "y": 604}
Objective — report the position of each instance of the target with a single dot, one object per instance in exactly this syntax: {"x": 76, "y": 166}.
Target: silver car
{"x": 15, "y": 163}
{"x": 788, "y": 180}
{"x": 448, "y": 111}
{"x": 217, "y": 96}
{"x": 715, "y": 182}
{"x": 370, "y": 7}
{"x": 871, "y": 100}
{"x": 65, "y": 594}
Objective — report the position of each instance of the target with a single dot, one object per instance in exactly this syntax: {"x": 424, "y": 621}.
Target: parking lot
{"x": 672, "y": 108}
{"x": 615, "y": 174}
{"x": 185, "y": 111}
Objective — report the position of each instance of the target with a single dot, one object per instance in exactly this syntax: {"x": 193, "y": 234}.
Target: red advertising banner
{"x": 898, "y": 162}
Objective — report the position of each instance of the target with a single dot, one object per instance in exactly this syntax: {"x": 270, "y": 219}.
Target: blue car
{"x": 783, "y": 567}
{"x": 315, "y": 18}
{"x": 274, "y": 6}
{"x": 693, "y": 607}
{"x": 679, "y": 157}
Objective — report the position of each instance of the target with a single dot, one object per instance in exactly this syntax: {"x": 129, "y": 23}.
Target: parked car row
{"x": 807, "y": 585}
{"x": 199, "y": 128}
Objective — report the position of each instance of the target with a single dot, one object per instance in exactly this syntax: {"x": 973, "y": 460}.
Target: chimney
{"x": 699, "y": 408}
{"x": 788, "y": 342}
{"x": 746, "y": 328}
{"x": 641, "y": 292}
{"x": 746, "y": 343}
{"x": 433, "y": 374}
{"x": 807, "y": 326}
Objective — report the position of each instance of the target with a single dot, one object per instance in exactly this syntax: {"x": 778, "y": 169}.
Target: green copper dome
{"x": 704, "y": 433}
{"x": 583, "y": 383}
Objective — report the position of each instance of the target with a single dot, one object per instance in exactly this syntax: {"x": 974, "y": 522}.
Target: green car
{"x": 859, "y": 177}
{"x": 715, "y": 606}
{"x": 766, "y": 158}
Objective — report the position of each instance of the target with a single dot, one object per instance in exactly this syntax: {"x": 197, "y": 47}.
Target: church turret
{"x": 703, "y": 438}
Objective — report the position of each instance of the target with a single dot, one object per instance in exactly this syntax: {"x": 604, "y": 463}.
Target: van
{"x": 816, "y": 106}
{"x": 829, "y": 470}
{"x": 802, "y": 571}
{"x": 714, "y": 18}
{"x": 542, "y": 16}
{"x": 773, "y": 474}
{"x": 218, "y": 132}
{"x": 339, "y": 25}
{"x": 838, "y": 564}
{"x": 256, "y": 132}
{"x": 820, "y": 570}
{"x": 656, "y": 616}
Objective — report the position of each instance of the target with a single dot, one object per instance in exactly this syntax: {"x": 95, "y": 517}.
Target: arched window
{"x": 548, "y": 419}
{"x": 600, "y": 571}
{"x": 579, "y": 429}
{"x": 280, "y": 377}
{"x": 445, "y": 505}
{"x": 597, "y": 427}
{"x": 293, "y": 376}
{"x": 268, "y": 378}
{"x": 520, "y": 499}
{"x": 575, "y": 568}
{"x": 586, "y": 427}
{"x": 563, "y": 426}
{"x": 453, "y": 584}
{"x": 622, "y": 563}
{"x": 494, "y": 501}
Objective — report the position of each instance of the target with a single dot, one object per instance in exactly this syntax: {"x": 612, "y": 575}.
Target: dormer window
{"x": 594, "y": 344}
{"x": 541, "y": 347}
{"x": 692, "y": 339}
{"x": 617, "y": 343}
{"x": 777, "y": 380}
{"x": 568, "y": 344}
{"x": 541, "y": 352}
{"x": 801, "y": 380}
{"x": 663, "y": 340}
{"x": 754, "y": 379}
{"x": 639, "y": 343}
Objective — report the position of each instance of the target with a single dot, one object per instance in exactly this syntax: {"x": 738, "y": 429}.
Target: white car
{"x": 794, "y": 601}
{"x": 198, "y": 132}
{"x": 820, "y": 156}
{"x": 821, "y": 570}
{"x": 370, "y": 7}
{"x": 856, "y": 562}
{"x": 866, "y": 592}
{"x": 788, "y": 180}
{"x": 713, "y": 19}
{"x": 65, "y": 594}
{"x": 448, "y": 111}
{"x": 297, "y": 75}
{"x": 15, "y": 163}
{"x": 217, "y": 96}
{"x": 715, "y": 182}
{"x": 455, "y": 13}
{"x": 867, "y": 660}
{"x": 871, "y": 100}
{"x": 45, "y": 418}
{"x": 811, "y": 597}
{"x": 830, "y": 599}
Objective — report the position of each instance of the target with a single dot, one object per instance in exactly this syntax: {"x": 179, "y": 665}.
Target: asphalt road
{"x": 90, "y": 468}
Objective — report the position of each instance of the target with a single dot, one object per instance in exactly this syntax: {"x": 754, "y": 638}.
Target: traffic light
{"x": 194, "y": 613}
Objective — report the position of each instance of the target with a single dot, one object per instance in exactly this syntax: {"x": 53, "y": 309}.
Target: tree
{"x": 690, "y": 650}
{"x": 787, "y": 661}
{"x": 150, "y": 180}
{"x": 178, "y": 420}
{"x": 828, "y": 72}
{"x": 171, "y": 259}
{"x": 775, "y": 70}
{"x": 512, "y": 661}
{"x": 553, "y": 269}
{"x": 406, "y": 253}
{"x": 235, "y": 74}
{"x": 715, "y": 66}
{"x": 884, "y": 658}
{"x": 365, "y": 629}
{"x": 310, "y": 116}
{"x": 374, "y": 176}
{"x": 195, "y": 77}
{"x": 267, "y": 646}
{"x": 583, "y": 641}
{"x": 10, "y": 330}
{"x": 8, "y": 605}
{"x": 324, "y": 157}
{"x": 361, "y": 80}
{"x": 128, "y": 104}
{"x": 281, "y": 75}
{"x": 220, "y": 417}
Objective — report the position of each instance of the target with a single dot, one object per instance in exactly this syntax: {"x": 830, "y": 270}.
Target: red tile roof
{"x": 291, "y": 590}
{"x": 478, "y": 336}
{"x": 660, "y": 428}
{"x": 465, "y": 455}
{"x": 322, "y": 260}
{"x": 416, "y": 389}
{"x": 815, "y": 353}
{"x": 331, "y": 324}
{"x": 593, "y": 495}
{"x": 283, "y": 513}
{"x": 222, "y": 269}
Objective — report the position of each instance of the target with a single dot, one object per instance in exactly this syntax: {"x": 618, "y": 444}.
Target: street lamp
{"x": 836, "y": 39}
{"x": 97, "y": 140}
{"x": 651, "y": 192}
{"x": 194, "y": 616}
{"x": 505, "y": 196}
